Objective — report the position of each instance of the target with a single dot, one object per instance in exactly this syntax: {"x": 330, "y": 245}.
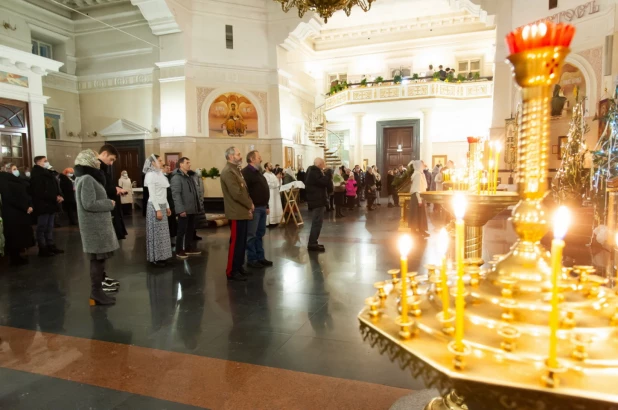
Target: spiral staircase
{"x": 318, "y": 135}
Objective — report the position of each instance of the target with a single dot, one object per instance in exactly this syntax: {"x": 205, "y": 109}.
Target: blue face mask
{"x": 16, "y": 172}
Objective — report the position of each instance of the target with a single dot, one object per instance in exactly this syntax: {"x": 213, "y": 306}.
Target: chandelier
{"x": 325, "y": 8}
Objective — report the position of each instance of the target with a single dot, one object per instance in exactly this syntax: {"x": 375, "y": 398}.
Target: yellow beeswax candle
{"x": 562, "y": 219}
{"x": 459, "y": 206}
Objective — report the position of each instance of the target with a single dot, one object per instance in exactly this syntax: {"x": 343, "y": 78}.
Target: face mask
{"x": 70, "y": 175}
{"x": 28, "y": 174}
{"x": 16, "y": 172}
{"x": 47, "y": 165}
{"x": 124, "y": 175}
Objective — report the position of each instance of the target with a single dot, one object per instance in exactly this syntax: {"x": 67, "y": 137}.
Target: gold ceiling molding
{"x": 325, "y": 8}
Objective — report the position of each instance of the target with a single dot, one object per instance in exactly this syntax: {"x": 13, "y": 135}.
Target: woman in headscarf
{"x": 125, "y": 183}
{"x": 16, "y": 209}
{"x": 67, "y": 186}
{"x": 274, "y": 203}
{"x": 376, "y": 173}
{"x": 370, "y": 188}
{"x": 417, "y": 219}
{"x": 95, "y": 221}
{"x": 158, "y": 246}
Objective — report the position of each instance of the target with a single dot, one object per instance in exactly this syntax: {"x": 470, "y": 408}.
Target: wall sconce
{"x": 70, "y": 134}
{"x": 7, "y": 26}
{"x": 155, "y": 129}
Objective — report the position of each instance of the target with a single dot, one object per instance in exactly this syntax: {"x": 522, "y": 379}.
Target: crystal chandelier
{"x": 325, "y": 8}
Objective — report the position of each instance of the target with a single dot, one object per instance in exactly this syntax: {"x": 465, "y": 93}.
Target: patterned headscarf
{"x": 151, "y": 164}
{"x": 88, "y": 158}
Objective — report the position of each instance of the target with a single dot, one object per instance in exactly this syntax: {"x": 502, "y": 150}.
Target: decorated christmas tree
{"x": 605, "y": 161}
{"x": 569, "y": 183}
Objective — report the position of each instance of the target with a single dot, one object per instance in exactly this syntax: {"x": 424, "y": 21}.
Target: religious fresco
{"x": 563, "y": 98}
{"x": 13, "y": 79}
{"x": 52, "y": 126}
{"x": 232, "y": 115}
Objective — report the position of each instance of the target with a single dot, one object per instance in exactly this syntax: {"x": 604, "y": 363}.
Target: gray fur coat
{"x": 95, "y": 218}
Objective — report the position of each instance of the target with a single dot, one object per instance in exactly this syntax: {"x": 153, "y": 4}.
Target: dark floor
{"x": 298, "y": 316}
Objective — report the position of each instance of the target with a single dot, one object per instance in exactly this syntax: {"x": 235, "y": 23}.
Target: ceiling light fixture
{"x": 325, "y": 8}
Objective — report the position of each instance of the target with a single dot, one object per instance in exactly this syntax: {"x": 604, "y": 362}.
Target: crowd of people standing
{"x": 92, "y": 199}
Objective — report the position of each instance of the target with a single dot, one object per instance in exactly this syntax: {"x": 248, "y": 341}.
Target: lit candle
{"x": 490, "y": 179}
{"x": 459, "y": 206}
{"x": 405, "y": 244}
{"x": 443, "y": 248}
{"x": 562, "y": 219}
{"x": 497, "y": 163}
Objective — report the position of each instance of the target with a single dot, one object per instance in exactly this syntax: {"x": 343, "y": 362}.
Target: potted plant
{"x": 450, "y": 78}
{"x": 415, "y": 76}
{"x": 397, "y": 79}
{"x": 333, "y": 90}
{"x": 363, "y": 82}
{"x": 436, "y": 76}
{"x": 204, "y": 173}
{"x": 477, "y": 76}
{"x": 379, "y": 80}
{"x": 213, "y": 173}
{"x": 460, "y": 78}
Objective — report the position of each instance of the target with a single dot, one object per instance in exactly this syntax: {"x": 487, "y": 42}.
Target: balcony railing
{"x": 411, "y": 91}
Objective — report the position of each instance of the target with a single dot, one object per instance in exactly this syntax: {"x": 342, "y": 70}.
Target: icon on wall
{"x": 171, "y": 158}
{"x": 232, "y": 115}
{"x": 52, "y": 126}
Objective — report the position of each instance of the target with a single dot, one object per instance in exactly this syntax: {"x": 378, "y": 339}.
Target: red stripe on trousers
{"x": 230, "y": 255}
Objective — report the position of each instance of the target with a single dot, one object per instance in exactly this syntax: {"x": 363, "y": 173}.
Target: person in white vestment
{"x": 274, "y": 203}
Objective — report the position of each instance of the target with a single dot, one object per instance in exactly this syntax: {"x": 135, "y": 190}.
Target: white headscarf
{"x": 149, "y": 165}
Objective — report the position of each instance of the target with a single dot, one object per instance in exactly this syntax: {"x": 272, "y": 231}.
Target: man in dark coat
{"x": 359, "y": 176}
{"x": 16, "y": 210}
{"x": 67, "y": 187}
{"x": 46, "y": 197}
{"x": 259, "y": 192}
{"x": 316, "y": 184}
{"x": 300, "y": 176}
{"x": 108, "y": 154}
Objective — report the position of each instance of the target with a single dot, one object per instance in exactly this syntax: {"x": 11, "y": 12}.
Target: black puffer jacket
{"x": 45, "y": 191}
{"x": 316, "y": 183}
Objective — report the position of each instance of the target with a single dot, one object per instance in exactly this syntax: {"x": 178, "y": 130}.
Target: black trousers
{"x": 238, "y": 245}
{"x": 186, "y": 230}
{"x": 331, "y": 202}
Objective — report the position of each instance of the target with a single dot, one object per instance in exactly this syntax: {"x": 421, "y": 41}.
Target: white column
{"x": 358, "y": 140}
{"x": 36, "y": 107}
{"x": 503, "y": 78}
{"x": 426, "y": 145}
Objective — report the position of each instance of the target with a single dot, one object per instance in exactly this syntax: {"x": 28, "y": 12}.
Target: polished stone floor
{"x": 182, "y": 337}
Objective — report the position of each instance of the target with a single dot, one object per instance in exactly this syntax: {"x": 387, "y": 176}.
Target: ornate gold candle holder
{"x": 581, "y": 342}
{"x": 373, "y": 304}
{"x": 394, "y": 275}
{"x": 509, "y": 336}
{"x": 536, "y": 71}
{"x": 448, "y": 324}
{"x": 381, "y": 292}
{"x": 459, "y": 354}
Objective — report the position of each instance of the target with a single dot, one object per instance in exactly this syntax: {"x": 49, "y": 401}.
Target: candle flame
{"x": 498, "y": 147}
{"x": 562, "y": 220}
{"x": 616, "y": 240}
{"x": 459, "y": 205}
{"x": 443, "y": 242}
{"x": 405, "y": 245}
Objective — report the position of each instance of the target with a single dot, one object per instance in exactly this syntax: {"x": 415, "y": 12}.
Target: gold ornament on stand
{"x": 528, "y": 333}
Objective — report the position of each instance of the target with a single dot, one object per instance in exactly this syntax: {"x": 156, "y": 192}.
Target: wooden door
{"x": 398, "y": 147}
{"x": 14, "y": 139}
{"x": 128, "y": 160}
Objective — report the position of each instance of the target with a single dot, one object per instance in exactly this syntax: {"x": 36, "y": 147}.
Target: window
{"x": 229, "y": 37}
{"x": 41, "y": 49}
{"x": 469, "y": 66}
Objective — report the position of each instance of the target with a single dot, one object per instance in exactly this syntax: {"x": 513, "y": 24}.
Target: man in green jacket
{"x": 238, "y": 210}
